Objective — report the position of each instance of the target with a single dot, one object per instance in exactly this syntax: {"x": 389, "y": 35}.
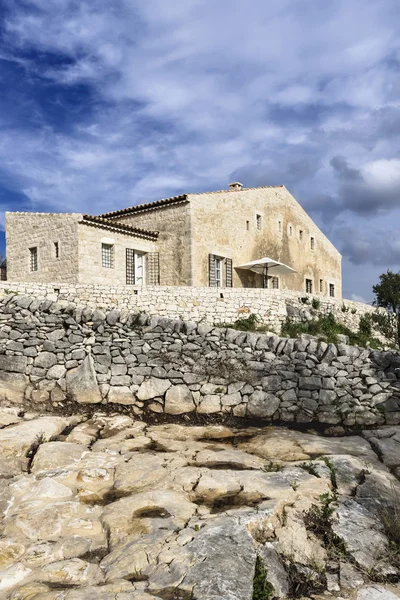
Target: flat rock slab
{"x": 115, "y": 509}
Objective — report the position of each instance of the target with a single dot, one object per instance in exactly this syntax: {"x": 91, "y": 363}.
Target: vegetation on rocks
{"x": 262, "y": 588}
{"x": 327, "y": 328}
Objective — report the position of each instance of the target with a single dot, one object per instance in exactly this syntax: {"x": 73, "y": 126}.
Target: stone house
{"x": 193, "y": 239}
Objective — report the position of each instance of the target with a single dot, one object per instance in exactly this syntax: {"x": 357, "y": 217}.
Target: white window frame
{"x": 219, "y": 271}
{"x": 107, "y": 262}
{"x": 140, "y": 256}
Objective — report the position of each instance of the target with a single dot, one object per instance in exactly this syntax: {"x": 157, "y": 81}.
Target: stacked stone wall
{"x": 58, "y": 352}
{"x": 203, "y": 304}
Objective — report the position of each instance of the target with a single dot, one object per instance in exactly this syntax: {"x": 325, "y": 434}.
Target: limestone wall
{"x": 43, "y": 231}
{"x": 224, "y": 223}
{"x": 90, "y": 260}
{"x": 209, "y": 305}
{"x": 57, "y": 353}
{"x": 173, "y": 243}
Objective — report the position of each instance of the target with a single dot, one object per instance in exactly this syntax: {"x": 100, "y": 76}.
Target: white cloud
{"x": 184, "y": 94}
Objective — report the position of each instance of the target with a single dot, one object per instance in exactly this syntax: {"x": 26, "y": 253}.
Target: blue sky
{"x": 109, "y": 104}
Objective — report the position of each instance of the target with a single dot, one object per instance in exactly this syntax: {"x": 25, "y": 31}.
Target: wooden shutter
{"x": 228, "y": 272}
{"x": 153, "y": 268}
{"x": 211, "y": 270}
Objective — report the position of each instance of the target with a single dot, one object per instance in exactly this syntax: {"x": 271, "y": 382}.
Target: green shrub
{"x": 316, "y": 303}
{"x": 262, "y": 589}
{"x": 365, "y": 326}
{"x": 246, "y": 323}
{"x": 327, "y": 327}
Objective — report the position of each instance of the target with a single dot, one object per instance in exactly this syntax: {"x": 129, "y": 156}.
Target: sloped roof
{"x": 119, "y": 227}
{"x": 147, "y": 206}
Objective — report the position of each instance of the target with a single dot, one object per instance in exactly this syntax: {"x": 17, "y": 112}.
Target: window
{"x": 332, "y": 290}
{"x": 290, "y": 231}
{"x": 274, "y": 283}
{"x": 107, "y": 256}
{"x": 56, "y": 250}
{"x": 33, "y": 256}
{"x": 301, "y": 234}
{"x": 135, "y": 267}
{"x": 218, "y": 271}
{"x": 247, "y": 225}
{"x": 312, "y": 243}
{"x": 280, "y": 226}
{"x": 309, "y": 286}
{"x": 321, "y": 285}
{"x": 258, "y": 222}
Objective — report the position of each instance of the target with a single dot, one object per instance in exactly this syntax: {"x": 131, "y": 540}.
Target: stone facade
{"x": 69, "y": 248}
{"x": 241, "y": 225}
{"x": 173, "y": 244}
{"x": 90, "y": 260}
{"x": 42, "y": 231}
{"x": 200, "y": 240}
{"x": 53, "y": 353}
{"x": 225, "y": 224}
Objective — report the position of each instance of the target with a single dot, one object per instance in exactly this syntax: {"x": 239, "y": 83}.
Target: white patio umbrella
{"x": 263, "y": 266}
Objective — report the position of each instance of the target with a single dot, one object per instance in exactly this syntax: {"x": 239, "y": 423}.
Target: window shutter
{"x": 153, "y": 268}
{"x": 130, "y": 266}
{"x": 228, "y": 268}
{"x": 211, "y": 270}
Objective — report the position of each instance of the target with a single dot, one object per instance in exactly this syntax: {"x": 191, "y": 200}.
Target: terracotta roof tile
{"x": 128, "y": 229}
{"x": 147, "y": 206}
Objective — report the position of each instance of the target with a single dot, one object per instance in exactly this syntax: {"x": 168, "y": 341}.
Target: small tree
{"x": 387, "y": 294}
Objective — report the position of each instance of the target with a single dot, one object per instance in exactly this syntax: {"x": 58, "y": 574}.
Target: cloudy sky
{"x": 105, "y": 104}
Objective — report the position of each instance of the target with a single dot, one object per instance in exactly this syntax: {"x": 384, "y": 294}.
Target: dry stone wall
{"x": 206, "y": 305}
{"x": 58, "y": 352}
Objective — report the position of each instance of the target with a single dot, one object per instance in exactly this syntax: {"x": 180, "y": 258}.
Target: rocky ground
{"x": 108, "y": 508}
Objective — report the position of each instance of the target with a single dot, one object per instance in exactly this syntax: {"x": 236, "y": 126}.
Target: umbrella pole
{"x": 265, "y": 277}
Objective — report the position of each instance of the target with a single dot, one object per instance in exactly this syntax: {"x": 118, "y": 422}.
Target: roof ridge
{"x": 174, "y": 199}
{"x": 122, "y": 226}
{"x": 259, "y": 187}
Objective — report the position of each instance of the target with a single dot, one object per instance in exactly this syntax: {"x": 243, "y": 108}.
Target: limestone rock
{"x": 71, "y": 572}
{"x": 153, "y": 388}
{"x": 82, "y": 384}
{"x": 216, "y": 553}
{"x": 362, "y": 534}
{"x": 120, "y": 395}
{"x": 276, "y": 574}
{"x": 377, "y": 592}
{"x": 13, "y": 386}
{"x": 56, "y": 455}
{"x": 262, "y": 404}
{"x": 15, "y": 441}
{"x": 179, "y": 400}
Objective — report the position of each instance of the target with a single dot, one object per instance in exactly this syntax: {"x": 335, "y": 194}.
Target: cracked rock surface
{"x": 104, "y": 507}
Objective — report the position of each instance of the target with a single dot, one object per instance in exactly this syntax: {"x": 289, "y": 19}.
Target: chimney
{"x": 235, "y": 186}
